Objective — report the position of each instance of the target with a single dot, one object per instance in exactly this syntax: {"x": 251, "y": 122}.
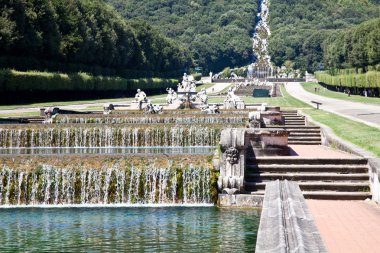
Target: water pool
{"x": 128, "y": 229}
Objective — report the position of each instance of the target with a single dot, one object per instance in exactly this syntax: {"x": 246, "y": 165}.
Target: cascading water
{"x": 109, "y": 136}
{"x": 199, "y": 119}
{"x": 48, "y": 185}
{"x": 262, "y": 66}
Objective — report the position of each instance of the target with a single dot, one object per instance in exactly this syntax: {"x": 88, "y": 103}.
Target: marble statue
{"x": 153, "y": 109}
{"x": 140, "y": 97}
{"x": 211, "y": 109}
{"x": 233, "y": 101}
{"x": 172, "y": 95}
{"x": 202, "y": 95}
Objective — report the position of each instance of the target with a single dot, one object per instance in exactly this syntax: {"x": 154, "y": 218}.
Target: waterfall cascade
{"x": 194, "y": 119}
{"x": 262, "y": 66}
{"x": 109, "y": 136}
{"x": 48, "y": 184}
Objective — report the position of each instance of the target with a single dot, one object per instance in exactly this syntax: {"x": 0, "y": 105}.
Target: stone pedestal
{"x": 240, "y": 105}
{"x": 135, "y": 105}
{"x": 234, "y": 145}
{"x": 273, "y": 108}
{"x": 267, "y": 118}
{"x": 273, "y": 142}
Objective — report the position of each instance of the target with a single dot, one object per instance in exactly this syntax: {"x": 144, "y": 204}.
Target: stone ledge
{"x": 286, "y": 224}
{"x": 240, "y": 200}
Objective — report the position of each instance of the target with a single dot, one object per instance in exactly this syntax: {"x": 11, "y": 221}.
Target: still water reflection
{"x": 164, "y": 229}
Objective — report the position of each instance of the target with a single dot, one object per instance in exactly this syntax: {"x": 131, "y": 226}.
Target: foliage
{"x": 370, "y": 79}
{"x": 300, "y": 28}
{"x": 357, "y": 47}
{"x": 82, "y": 35}
{"x": 57, "y": 85}
{"x": 217, "y": 33}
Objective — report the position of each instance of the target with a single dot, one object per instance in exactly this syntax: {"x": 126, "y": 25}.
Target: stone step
{"x": 325, "y": 177}
{"x": 310, "y": 133}
{"x": 292, "y": 123}
{"x": 317, "y": 168}
{"x": 326, "y": 195}
{"x": 304, "y": 138}
{"x": 294, "y": 118}
{"x": 305, "y": 143}
{"x": 346, "y": 186}
{"x": 298, "y": 128}
{"x": 333, "y": 195}
{"x": 297, "y": 122}
{"x": 293, "y": 160}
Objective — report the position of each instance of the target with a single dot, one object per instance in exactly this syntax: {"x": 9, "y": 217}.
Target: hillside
{"x": 217, "y": 32}
{"x": 83, "y": 35}
{"x": 300, "y": 27}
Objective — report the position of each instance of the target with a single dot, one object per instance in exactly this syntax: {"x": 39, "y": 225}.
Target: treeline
{"x": 217, "y": 33}
{"x": 83, "y": 35}
{"x": 357, "y": 47}
{"x": 33, "y": 86}
{"x": 303, "y": 31}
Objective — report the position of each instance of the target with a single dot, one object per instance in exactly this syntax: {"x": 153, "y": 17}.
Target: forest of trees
{"x": 165, "y": 38}
{"x": 83, "y": 35}
{"x": 357, "y": 47}
{"x": 217, "y": 33}
{"x": 302, "y": 31}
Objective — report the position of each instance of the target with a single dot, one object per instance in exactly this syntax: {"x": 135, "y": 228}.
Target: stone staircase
{"x": 299, "y": 132}
{"x": 293, "y": 119}
{"x": 344, "y": 179}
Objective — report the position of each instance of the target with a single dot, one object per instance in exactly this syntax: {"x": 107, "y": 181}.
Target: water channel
{"x": 128, "y": 229}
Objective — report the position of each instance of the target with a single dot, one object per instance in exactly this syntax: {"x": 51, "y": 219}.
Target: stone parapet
{"x": 241, "y": 200}
{"x": 286, "y": 224}
{"x": 236, "y": 143}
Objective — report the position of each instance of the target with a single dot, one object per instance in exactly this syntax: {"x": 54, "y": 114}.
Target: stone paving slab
{"x": 365, "y": 113}
{"x": 347, "y": 226}
{"x": 318, "y": 151}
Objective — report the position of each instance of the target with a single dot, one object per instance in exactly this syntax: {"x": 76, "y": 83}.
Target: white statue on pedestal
{"x": 202, "y": 95}
{"x": 232, "y": 100}
{"x": 140, "y": 97}
{"x": 172, "y": 95}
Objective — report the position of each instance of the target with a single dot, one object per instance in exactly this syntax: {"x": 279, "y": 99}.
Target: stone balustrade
{"x": 286, "y": 224}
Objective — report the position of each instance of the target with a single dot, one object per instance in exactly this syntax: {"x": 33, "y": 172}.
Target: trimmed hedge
{"x": 45, "y": 86}
{"x": 370, "y": 79}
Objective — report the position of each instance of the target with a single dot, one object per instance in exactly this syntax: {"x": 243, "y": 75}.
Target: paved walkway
{"x": 318, "y": 151}
{"x": 217, "y": 87}
{"x": 365, "y": 113}
{"x": 347, "y": 226}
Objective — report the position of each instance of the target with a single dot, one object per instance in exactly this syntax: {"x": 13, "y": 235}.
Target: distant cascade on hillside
{"x": 262, "y": 66}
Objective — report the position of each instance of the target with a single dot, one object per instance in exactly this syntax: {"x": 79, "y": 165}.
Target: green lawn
{"x": 21, "y": 114}
{"x": 310, "y": 87}
{"x": 285, "y": 102}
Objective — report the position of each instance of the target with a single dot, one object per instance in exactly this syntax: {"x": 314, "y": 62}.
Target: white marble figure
{"x": 153, "y": 109}
{"x": 140, "y": 97}
{"x": 188, "y": 84}
{"x": 211, "y": 109}
{"x": 232, "y": 98}
{"x": 202, "y": 95}
{"x": 172, "y": 95}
